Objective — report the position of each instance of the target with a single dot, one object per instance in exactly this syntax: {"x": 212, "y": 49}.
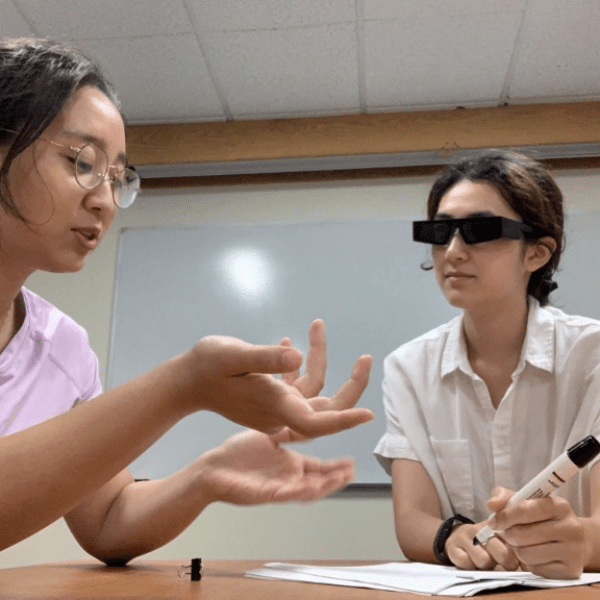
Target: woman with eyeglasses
{"x": 64, "y": 445}
{"x": 479, "y": 406}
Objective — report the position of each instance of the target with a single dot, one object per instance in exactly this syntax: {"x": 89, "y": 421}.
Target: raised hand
{"x": 251, "y": 468}
{"x": 233, "y": 378}
{"x": 311, "y": 383}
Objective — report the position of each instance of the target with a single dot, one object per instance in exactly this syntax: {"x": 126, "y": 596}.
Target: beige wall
{"x": 339, "y": 527}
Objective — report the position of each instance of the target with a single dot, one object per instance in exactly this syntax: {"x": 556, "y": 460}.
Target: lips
{"x": 88, "y": 236}
{"x": 457, "y": 274}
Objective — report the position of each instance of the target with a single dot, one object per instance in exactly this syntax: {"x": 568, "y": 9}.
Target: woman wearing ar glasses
{"x": 479, "y": 406}
{"x": 64, "y": 445}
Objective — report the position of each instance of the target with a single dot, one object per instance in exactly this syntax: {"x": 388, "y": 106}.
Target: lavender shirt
{"x": 47, "y": 368}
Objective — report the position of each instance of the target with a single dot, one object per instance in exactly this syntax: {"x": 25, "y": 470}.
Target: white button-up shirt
{"x": 439, "y": 412}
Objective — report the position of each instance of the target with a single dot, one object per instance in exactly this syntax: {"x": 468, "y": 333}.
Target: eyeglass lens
{"x": 91, "y": 167}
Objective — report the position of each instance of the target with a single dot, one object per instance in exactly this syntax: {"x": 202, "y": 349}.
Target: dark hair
{"x": 37, "y": 79}
{"x": 528, "y": 188}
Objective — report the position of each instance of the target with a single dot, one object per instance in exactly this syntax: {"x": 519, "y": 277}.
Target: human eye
{"x": 74, "y": 157}
{"x": 117, "y": 181}
{"x": 71, "y": 158}
{"x": 83, "y": 166}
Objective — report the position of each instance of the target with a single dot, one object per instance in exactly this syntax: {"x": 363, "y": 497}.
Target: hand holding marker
{"x": 551, "y": 478}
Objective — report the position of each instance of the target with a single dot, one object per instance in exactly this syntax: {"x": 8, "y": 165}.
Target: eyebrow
{"x": 481, "y": 213}
{"x": 86, "y": 137}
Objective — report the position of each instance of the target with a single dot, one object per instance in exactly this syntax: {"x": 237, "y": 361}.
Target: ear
{"x": 538, "y": 253}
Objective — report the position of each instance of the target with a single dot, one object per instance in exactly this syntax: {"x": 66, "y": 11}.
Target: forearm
{"x": 148, "y": 514}
{"x": 416, "y": 532}
{"x": 416, "y": 510}
{"x": 51, "y": 467}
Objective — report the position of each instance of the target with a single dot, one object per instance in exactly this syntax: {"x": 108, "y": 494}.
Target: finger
{"x": 286, "y": 436}
{"x": 316, "y": 360}
{"x": 320, "y": 403}
{"x": 528, "y": 513}
{"x": 350, "y": 391}
{"x": 498, "y": 499}
{"x": 236, "y": 357}
{"x": 291, "y": 376}
{"x": 327, "y": 467}
{"x": 481, "y": 558}
{"x": 460, "y": 559}
{"x": 501, "y": 553}
{"x": 328, "y": 422}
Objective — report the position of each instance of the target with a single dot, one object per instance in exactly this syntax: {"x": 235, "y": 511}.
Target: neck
{"x": 10, "y": 313}
{"x": 7, "y": 326}
{"x": 499, "y": 333}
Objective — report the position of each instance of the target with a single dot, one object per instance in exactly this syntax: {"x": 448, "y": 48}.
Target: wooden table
{"x": 223, "y": 580}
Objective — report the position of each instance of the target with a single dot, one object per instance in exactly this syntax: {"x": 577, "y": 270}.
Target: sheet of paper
{"x": 418, "y": 578}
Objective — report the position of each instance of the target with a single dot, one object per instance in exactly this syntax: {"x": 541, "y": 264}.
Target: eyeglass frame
{"x": 502, "y": 228}
{"x": 102, "y": 176}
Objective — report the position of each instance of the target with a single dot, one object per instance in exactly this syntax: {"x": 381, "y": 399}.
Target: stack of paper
{"x": 415, "y": 577}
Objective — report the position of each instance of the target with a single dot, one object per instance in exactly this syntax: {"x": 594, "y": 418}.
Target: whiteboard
{"x": 261, "y": 282}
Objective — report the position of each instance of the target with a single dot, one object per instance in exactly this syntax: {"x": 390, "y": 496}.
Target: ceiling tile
{"x": 12, "y": 24}
{"x": 446, "y": 62}
{"x": 222, "y": 15}
{"x": 95, "y": 19}
{"x": 159, "y": 79}
{"x": 560, "y": 56}
{"x": 270, "y": 58}
{"x": 293, "y": 71}
{"x": 435, "y": 10}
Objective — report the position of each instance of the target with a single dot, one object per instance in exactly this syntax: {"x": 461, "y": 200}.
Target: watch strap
{"x": 442, "y": 535}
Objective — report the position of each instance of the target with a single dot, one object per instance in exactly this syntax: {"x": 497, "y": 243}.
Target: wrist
{"x": 185, "y": 374}
{"x": 204, "y": 477}
{"x": 443, "y": 533}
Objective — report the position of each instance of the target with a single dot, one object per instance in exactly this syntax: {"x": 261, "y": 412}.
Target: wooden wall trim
{"x": 427, "y": 131}
{"x": 338, "y": 175}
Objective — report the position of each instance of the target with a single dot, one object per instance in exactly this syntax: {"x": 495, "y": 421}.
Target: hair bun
{"x": 547, "y": 286}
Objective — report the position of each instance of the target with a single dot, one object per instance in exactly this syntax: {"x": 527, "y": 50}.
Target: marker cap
{"x": 584, "y": 451}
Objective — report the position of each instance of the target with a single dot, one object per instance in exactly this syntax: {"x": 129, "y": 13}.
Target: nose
{"x": 456, "y": 248}
{"x": 101, "y": 199}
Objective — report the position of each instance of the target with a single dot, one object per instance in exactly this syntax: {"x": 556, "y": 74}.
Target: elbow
{"x": 409, "y": 552}
{"x": 115, "y": 561}
{"x": 112, "y": 557}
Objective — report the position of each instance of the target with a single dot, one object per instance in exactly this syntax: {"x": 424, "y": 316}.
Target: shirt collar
{"x": 455, "y": 351}
{"x": 538, "y": 347}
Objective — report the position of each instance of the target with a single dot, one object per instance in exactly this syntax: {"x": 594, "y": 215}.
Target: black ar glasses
{"x": 473, "y": 230}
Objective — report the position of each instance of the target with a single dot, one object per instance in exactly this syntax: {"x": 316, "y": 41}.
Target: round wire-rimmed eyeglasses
{"x": 91, "y": 169}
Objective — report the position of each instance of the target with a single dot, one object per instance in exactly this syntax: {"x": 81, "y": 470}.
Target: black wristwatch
{"x": 442, "y": 535}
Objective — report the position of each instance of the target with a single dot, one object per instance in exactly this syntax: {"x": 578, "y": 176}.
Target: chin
{"x": 66, "y": 266}
{"x": 455, "y": 298}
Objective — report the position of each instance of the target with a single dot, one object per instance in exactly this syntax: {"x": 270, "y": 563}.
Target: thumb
{"x": 499, "y": 498}
{"x": 232, "y": 356}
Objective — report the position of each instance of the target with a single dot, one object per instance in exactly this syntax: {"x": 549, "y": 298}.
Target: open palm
{"x": 252, "y": 468}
